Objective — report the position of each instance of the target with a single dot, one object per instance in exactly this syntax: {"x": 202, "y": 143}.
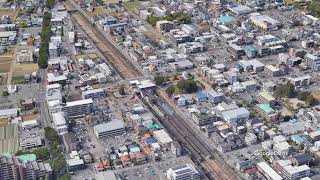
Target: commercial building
{"x": 12, "y": 168}
{"x": 181, "y": 65}
{"x": 236, "y": 50}
{"x": 191, "y": 47}
{"x": 272, "y": 70}
{"x": 202, "y": 118}
{"x": 93, "y": 93}
{"x": 164, "y": 26}
{"x": 249, "y": 86}
{"x": 59, "y": 122}
{"x": 267, "y": 112}
{"x": 109, "y": 129}
{"x": 250, "y": 51}
{"x": 31, "y": 138}
{"x": 265, "y": 97}
{"x": 24, "y": 56}
{"x": 300, "y": 81}
{"x": 268, "y": 172}
{"x": 234, "y": 116}
{"x": 183, "y": 172}
{"x": 77, "y": 108}
{"x": 104, "y": 69}
{"x": 240, "y": 9}
{"x": 289, "y": 171}
{"x": 53, "y": 93}
{"x": 251, "y": 65}
{"x": 263, "y": 21}
{"x": 75, "y": 164}
{"x": 283, "y": 149}
{"x": 8, "y": 38}
{"x": 215, "y": 97}
{"x": 313, "y": 61}
{"x": 163, "y": 137}
{"x": 9, "y": 113}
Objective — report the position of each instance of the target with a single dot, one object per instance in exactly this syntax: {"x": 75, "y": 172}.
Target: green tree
{"x": 41, "y": 153}
{"x": 308, "y": 98}
{"x": 65, "y": 177}
{"x": 122, "y": 91}
{"x": 286, "y": 118}
{"x": 5, "y": 93}
{"x": 170, "y": 90}
{"x": 52, "y": 135}
{"x": 45, "y": 38}
{"x": 187, "y": 86}
{"x": 159, "y": 80}
{"x": 59, "y": 163}
{"x": 285, "y": 90}
{"x": 314, "y": 8}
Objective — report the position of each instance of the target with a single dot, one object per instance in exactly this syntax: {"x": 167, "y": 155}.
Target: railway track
{"x": 115, "y": 58}
{"x": 199, "y": 150}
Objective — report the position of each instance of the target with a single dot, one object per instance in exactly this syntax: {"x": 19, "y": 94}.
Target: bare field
{"x": 21, "y": 69}
{"x": 91, "y": 56}
{"x": 98, "y": 11}
{"x": 5, "y": 63}
{"x": 316, "y": 95}
{"x": 8, "y": 12}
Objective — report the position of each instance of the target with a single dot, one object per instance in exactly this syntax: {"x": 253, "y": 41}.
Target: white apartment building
{"x": 183, "y": 172}
{"x": 282, "y": 149}
{"x": 59, "y": 123}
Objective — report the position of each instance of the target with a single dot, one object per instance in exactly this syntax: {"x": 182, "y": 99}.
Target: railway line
{"x": 199, "y": 150}
{"x": 203, "y": 154}
{"x": 114, "y": 57}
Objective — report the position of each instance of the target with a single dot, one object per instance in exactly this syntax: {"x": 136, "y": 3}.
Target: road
{"x": 43, "y": 106}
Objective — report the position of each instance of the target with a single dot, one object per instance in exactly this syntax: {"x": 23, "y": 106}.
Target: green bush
{"x": 186, "y": 86}
{"x": 285, "y": 90}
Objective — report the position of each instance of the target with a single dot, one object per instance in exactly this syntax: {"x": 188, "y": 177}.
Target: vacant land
{"x": 22, "y": 69}
{"x": 92, "y": 56}
{"x": 5, "y": 62}
{"x": 17, "y": 80}
{"x": 316, "y": 95}
{"x": 7, "y": 12}
{"x": 132, "y": 5}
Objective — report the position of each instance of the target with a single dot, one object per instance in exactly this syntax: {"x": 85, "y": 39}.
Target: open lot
{"x": 21, "y": 69}
{"x": 132, "y": 5}
{"x": 92, "y": 56}
{"x": 7, "y": 12}
{"x": 5, "y": 62}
